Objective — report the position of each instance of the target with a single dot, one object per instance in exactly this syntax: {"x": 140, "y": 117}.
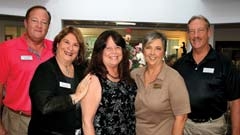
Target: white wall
{"x": 162, "y": 11}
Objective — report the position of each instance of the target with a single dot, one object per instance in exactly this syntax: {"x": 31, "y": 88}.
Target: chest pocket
{"x": 215, "y": 79}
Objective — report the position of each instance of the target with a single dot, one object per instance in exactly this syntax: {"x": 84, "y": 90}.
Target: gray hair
{"x": 200, "y": 17}
{"x": 155, "y": 35}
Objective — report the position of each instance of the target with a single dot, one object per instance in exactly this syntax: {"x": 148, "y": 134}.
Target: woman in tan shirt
{"x": 162, "y": 101}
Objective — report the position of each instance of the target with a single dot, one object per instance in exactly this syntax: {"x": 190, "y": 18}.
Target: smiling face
{"x": 112, "y": 54}
{"x": 198, "y": 33}
{"x": 154, "y": 52}
{"x": 68, "y": 48}
{"x": 37, "y": 24}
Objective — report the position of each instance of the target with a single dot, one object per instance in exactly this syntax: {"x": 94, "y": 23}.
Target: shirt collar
{"x": 160, "y": 76}
{"x": 210, "y": 56}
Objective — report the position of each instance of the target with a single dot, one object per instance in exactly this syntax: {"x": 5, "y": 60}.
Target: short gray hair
{"x": 155, "y": 35}
{"x": 200, "y": 17}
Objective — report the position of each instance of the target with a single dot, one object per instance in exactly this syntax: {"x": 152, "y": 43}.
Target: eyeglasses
{"x": 36, "y": 21}
{"x": 198, "y": 31}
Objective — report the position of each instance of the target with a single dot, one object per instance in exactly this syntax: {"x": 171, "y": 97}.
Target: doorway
{"x": 11, "y": 27}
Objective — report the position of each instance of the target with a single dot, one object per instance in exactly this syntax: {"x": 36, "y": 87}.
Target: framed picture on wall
{"x": 8, "y": 37}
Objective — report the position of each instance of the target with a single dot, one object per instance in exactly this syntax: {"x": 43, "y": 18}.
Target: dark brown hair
{"x": 38, "y": 7}
{"x": 96, "y": 65}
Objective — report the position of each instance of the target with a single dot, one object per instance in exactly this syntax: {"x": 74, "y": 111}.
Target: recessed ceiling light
{"x": 125, "y": 23}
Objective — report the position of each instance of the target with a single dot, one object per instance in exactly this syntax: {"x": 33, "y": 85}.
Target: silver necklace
{"x": 68, "y": 70}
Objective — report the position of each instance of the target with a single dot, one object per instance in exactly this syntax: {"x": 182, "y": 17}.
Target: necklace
{"x": 114, "y": 77}
{"x": 67, "y": 70}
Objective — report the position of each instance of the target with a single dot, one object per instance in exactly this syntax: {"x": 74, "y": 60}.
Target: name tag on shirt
{"x": 208, "y": 70}
{"x": 26, "y": 57}
{"x": 157, "y": 86}
{"x": 65, "y": 85}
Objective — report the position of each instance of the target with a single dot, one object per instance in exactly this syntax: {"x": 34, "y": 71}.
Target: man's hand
{"x": 2, "y": 129}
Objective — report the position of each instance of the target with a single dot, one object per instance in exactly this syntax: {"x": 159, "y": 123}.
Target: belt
{"x": 205, "y": 119}
{"x": 19, "y": 112}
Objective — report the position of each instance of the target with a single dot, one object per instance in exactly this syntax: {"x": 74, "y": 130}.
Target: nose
{"x": 152, "y": 51}
{"x": 70, "y": 47}
{"x": 39, "y": 24}
{"x": 196, "y": 33}
{"x": 114, "y": 50}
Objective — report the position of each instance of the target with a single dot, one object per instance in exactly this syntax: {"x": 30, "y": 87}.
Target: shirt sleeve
{"x": 179, "y": 98}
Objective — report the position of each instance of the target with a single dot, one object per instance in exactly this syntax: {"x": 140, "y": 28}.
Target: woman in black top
{"x": 55, "y": 90}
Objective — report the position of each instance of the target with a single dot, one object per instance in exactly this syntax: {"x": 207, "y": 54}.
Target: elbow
{"x": 182, "y": 118}
{"x": 45, "y": 109}
{"x": 185, "y": 117}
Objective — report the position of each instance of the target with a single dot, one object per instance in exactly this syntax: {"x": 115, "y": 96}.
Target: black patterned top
{"x": 116, "y": 113}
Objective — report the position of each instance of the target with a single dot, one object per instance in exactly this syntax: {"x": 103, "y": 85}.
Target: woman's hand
{"x": 81, "y": 89}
